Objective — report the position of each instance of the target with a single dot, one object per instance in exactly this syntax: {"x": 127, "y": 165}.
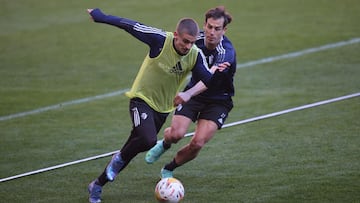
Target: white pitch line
{"x": 190, "y": 134}
{"x": 287, "y": 111}
{"x": 299, "y": 53}
{"x": 58, "y": 166}
{"x": 68, "y": 103}
{"x": 243, "y": 65}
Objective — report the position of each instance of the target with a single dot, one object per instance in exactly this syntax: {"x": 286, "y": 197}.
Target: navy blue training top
{"x": 221, "y": 86}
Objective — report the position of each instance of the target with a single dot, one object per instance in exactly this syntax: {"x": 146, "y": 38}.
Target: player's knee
{"x": 173, "y": 134}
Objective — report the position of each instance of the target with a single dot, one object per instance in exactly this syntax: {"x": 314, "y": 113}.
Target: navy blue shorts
{"x": 208, "y": 110}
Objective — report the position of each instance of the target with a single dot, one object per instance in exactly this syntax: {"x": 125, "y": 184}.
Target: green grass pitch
{"x": 51, "y": 52}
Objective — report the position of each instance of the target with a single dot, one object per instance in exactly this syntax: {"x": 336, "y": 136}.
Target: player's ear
{"x": 224, "y": 29}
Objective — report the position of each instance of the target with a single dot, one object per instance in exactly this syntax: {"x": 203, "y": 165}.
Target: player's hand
{"x": 96, "y": 14}
{"x": 221, "y": 67}
{"x": 89, "y": 10}
{"x": 181, "y": 98}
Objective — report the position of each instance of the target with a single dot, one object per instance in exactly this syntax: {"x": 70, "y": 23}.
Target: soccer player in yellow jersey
{"x": 172, "y": 56}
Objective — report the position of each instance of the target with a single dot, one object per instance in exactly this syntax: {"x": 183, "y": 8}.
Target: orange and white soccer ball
{"x": 169, "y": 190}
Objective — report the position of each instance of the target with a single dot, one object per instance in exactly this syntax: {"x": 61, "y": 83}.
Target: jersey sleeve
{"x": 151, "y": 36}
{"x": 226, "y": 53}
{"x": 201, "y": 72}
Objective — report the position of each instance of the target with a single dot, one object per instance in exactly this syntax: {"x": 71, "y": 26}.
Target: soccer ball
{"x": 169, "y": 190}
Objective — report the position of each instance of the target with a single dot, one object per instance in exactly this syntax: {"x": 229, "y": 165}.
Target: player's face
{"x": 214, "y": 31}
{"x": 183, "y": 42}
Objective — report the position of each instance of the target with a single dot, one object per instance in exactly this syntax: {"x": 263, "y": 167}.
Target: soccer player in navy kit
{"x": 171, "y": 58}
{"x": 210, "y": 108}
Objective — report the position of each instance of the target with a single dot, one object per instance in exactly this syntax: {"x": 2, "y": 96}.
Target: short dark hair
{"x": 189, "y": 26}
{"x": 218, "y": 12}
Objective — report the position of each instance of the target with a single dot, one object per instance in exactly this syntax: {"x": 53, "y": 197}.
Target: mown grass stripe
{"x": 190, "y": 134}
{"x": 243, "y": 65}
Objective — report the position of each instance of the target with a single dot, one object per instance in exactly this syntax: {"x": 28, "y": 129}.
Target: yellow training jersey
{"x": 160, "y": 78}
